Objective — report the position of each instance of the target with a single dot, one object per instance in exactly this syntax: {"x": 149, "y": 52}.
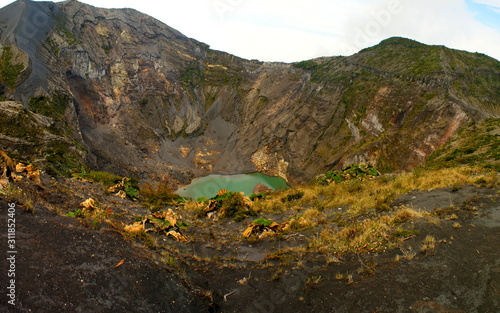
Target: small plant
{"x": 76, "y": 214}
{"x": 408, "y": 254}
{"x": 428, "y": 244}
{"x": 94, "y": 223}
{"x": 263, "y": 222}
{"x": 132, "y": 192}
{"x": 131, "y": 187}
{"x": 367, "y": 268}
{"x": 182, "y": 225}
{"x": 345, "y": 277}
{"x": 330, "y": 258}
{"x": 277, "y": 274}
{"x": 445, "y": 211}
{"x": 314, "y": 280}
{"x": 28, "y": 206}
{"x": 114, "y": 182}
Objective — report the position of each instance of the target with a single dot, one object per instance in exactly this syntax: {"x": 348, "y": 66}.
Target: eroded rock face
{"x": 148, "y": 100}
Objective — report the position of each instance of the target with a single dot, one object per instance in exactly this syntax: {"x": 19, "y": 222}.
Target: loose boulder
{"x": 260, "y": 188}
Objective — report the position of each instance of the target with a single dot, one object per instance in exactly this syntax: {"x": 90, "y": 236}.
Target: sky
{"x": 295, "y": 30}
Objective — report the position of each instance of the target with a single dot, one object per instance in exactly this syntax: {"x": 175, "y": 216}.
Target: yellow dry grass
{"x": 428, "y": 244}
{"x": 370, "y": 235}
{"x": 377, "y": 194}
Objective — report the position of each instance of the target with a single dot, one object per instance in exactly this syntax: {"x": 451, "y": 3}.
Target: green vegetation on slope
{"x": 20, "y": 125}
{"x": 476, "y": 144}
{"x": 9, "y": 71}
{"x": 52, "y": 105}
{"x": 52, "y": 144}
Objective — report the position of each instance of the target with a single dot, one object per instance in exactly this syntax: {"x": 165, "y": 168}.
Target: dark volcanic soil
{"x": 63, "y": 265}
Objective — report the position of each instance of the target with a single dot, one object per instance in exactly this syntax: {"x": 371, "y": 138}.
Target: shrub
{"x": 156, "y": 198}
{"x": 360, "y": 172}
{"x": 234, "y": 204}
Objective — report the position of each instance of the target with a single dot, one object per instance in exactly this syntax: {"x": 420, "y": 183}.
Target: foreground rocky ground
{"x": 68, "y": 264}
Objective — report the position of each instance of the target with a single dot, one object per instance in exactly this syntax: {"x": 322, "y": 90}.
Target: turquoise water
{"x": 208, "y": 186}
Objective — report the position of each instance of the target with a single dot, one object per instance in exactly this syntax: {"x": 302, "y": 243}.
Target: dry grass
{"x": 315, "y": 217}
{"x": 12, "y": 193}
{"x": 375, "y": 234}
{"x": 310, "y": 218}
{"x": 406, "y": 213}
{"x": 408, "y": 254}
{"x": 361, "y": 197}
{"x": 428, "y": 244}
{"x": 369, "y": 222}
{"x": 348, "y": 278}
{"x": 271, "y": 205}
{"x": 193, "y": 206}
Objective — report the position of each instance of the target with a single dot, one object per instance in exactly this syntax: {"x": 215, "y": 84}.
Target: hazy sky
{"x": 294, "y": 30}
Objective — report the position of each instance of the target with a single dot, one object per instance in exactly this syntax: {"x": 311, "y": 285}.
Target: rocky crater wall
{"x": 147, "y": 100}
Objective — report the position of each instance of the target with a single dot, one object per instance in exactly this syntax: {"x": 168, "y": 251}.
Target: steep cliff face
{"x": 144, "y": 99}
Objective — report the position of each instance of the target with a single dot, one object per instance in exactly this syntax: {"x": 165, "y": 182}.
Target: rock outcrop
{"x": 142, "y": 99}
{"x": 260, "y": 188}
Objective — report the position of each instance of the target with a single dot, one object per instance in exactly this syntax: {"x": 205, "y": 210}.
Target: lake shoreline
{"x": 208, "y": 186}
